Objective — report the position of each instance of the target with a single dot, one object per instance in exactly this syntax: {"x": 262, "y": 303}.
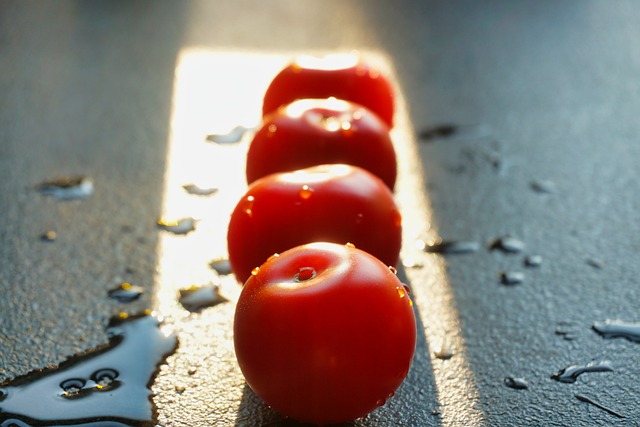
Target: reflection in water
{"x": 109, "y": 384}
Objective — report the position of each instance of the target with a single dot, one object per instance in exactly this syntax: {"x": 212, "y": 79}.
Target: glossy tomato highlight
{"x": 312, "y": 132}
{"x": 324, "y": 333}
{"x": 341, "y": 76}
{"x": 330, "y": 203}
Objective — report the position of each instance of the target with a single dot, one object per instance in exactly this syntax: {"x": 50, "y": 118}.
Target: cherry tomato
{"x": 340, "y": 76}
{"x": 331, "y": 203}
{"x": 312, "y": 132}
{"x": 324, "y": 333}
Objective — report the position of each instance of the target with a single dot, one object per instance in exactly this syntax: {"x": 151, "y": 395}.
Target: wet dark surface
{"x": 87, "y": 91}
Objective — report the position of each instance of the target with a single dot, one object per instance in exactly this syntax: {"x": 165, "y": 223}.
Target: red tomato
{"x": 340, "y": 76}
{"x": 312, "y": 132}
{"x": 330, "y": 203}
{"x": 324, "y": 333}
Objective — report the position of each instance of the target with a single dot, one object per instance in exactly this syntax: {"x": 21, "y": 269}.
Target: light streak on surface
{"x": 215, "y": 92}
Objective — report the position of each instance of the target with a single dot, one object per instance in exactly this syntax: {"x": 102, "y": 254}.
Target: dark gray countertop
{"x": 540, "y": 92}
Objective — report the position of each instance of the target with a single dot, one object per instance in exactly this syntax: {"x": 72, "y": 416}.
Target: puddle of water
{"x": 108, "y": 385}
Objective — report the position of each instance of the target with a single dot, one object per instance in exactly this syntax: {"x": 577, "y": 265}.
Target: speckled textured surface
{"x": 545, "y": 91}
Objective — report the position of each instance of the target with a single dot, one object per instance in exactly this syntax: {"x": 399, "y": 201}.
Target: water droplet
{"x": 248, "y": 205}
{"x": 71, "y": 387}
{"x": 255, "y": 271}
{"x": 359, "y": 218}
{"x": 618, "y": 329}
{"x": 125, "y": 292}
{"x": 222, "y": 266}
{"x": 393, "y": 270}
{"x": 49, "y": 236}
{"x": 507, "y": 244}
{"x": 516, "y": 383}
{"x": 453, "y": 247}
{"x": 437, "y": 132}
{"x": 67, "y": 187}
{"x": 411, "y": 263}
{"x": 199, "y": 191}
{"x": 124, "y": 367}
{"x": 533, "y": 261}
{"x": 598, "y": 405}
{"x": 543, "y": 186}
{"x": 105, "y": 379}
{"x": 196, "y": 298}
{"x": 570, "y": 374}
{"x": 271, "y": 130}
{"x": 381, "y": 402}
{"x": 305, "y": 192}
{"x": 566, "y": 330}
{"x": 233, "y": 136}
{"x": 595, "y": 263}
{"x": 350, "y": 245}
{"x": 510, "y": 278}
{"x": 181, "y": 226}
{"x": 274, "y": 256}
{"x": 443, "y": 353}
{"x": 401, "y": 292}
{"x": 305, "y": 273}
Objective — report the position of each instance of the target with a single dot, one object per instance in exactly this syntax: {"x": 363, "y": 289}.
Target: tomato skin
{"x": 328, "y": 349}
{"x": 340, "y": 76}
{"x": 330, "y": 203}
{"x": 312, "y": 132}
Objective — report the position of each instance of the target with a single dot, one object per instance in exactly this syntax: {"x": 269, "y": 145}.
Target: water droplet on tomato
{"x": 305, "y": 273}
{"x": 359, "y": 218}
{"x": 381, "y": 402}
{"x": 272, "y": 257}
{"x": 393, "y": 270}
{"x": 350, "y": 245}
{"x": 255, "y": 271}
{"x": 401, "y": 292}
{"x": 248, "y": 208}
{"x": 305, "y": 192}
{"x": 271, "y": 130}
